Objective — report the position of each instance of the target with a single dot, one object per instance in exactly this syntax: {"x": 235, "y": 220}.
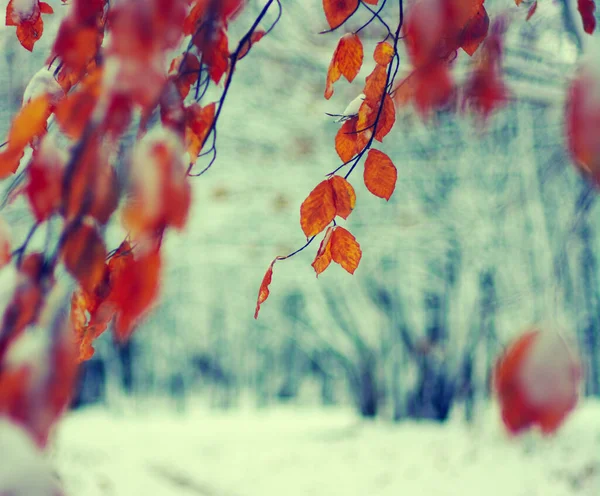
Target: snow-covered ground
{"x": 293, "y": 451}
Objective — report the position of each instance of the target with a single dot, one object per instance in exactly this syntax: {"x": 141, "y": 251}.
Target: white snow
{"x": 295, "y": 451}
{"x": 23, "y": 9}
{"x": 24, "y": 471}
{"x": 353, "y": 107}
{"x": 41, "y": 83}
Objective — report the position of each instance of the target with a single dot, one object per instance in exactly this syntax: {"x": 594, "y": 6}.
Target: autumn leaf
{"x": 586, "y": 9}
{"x": 198, "y": 124}
{"x": 76, "y": 44}
{"x": 347, "y": 61}
{"x": 475, "y": 31}
{"x": 83, "y": 253}
{"x": 344, "y": 196}
{"x": 375, "y": 84}
{"x": 255, "y": 37}
{"x": 338, "y": 11}
{"x": 318, "y": 210}
{"x": 5, "y": 243}
{"x": 263, "y": 291}
{"x": 346, "y": 140}
{"x": 345, "y": 250}
{"x": 531, "y": 11}
{"x": 135, "y": 288}
{"x": 384, "y": 53}
{"x": 29, "y": 23}
{"x": 323, "y": 257}
{"x": 380, "y": 174}
{"x": 387, "y": 118}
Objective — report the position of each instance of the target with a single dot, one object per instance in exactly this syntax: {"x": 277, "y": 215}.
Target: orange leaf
{"x": 344, "y": 196}
{"x": 371, "y": 2}
{"x": 198, "y": 123}
{"x": 338, "y": 11}
{"x": 84, "y": 253}
{"x": 135, "y": 288}
{"x": 345, "y": 250}
{"x": 387, "y": 118}
{"x": 384, "y": 53}
{"x": 185, "y": 69}
{"x": 30, "y": 122}
{"x": 255, "y": 37}
{"x": 5, "y": 254}
{"x": 380, "y": 174}
{"x": 345, "y": 140}
{"x": 318, "y": 210}
{"x": 375, "y": 84}
{"x": 263, "y": 291}
{"x": 323, "y": 257}
{"x": 346, "y": 61}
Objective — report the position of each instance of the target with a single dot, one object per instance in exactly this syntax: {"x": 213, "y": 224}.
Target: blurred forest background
{"x": 490, "y": 230}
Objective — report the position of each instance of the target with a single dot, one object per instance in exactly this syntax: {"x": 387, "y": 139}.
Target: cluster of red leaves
{"x": 35, "y": 388}
{"x": 536, "y": 381}
{"x": 128, "y": 284}
{"x": 29, "y": 23}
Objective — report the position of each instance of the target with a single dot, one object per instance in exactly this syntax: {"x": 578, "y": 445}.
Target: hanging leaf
{"x": 344, "y": 196}
{"x": 346, "y": 144}
{"x": 384, "y": 53}
{"x": 347, "y": 61}
{"x": 387, "y": 118}
{"x": 380, "y": 174}
{"x": 338, "y": 11}
{"x": 323, "y": 257}
{"x": 475, "y": 31}
{"x": 318, "y": 210}
{"x": 263, "y": 291}
{"x": 587, "y": 8}
{"x": 84, "y": 253}
{"x": 345, "y": 250}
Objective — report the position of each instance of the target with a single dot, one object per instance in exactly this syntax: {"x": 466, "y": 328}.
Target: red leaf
{"x": 263, "y": 291}
{"x": 586, "y": 8}
{"x": 384, "y": 53}
{"x": 380, "y": 174}
{"x": 84, "y": 253}
{"x": 344, "y": 196}
{"x": 323, "y": 257}
{"x": 338, "y": 11}
{"x": 345, "y": 250}
{"x": 346, "y": 144}
{"x": 475, "y": 31}
{"x": 346, "y": 61}
{"x": 318, "y": 210}
{"x": 135, "y": 288}
{"x": 375, "y": 85}
{"x": 531, "y": 11}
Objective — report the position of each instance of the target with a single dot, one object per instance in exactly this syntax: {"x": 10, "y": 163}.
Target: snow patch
{"x": 23, "y": 10}
{"x": 43, "y": 83}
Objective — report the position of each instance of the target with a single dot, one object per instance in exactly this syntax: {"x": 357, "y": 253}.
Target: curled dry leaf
{"x": 263, "y": 291}
{"x": 254, "y": 38}
{"x": 338, "y": 11}
{"x": 323, "y": 257}
{"x": 345, "y": 250}
{"x": 347, "y": 61}
{"x": 380, "y": 174}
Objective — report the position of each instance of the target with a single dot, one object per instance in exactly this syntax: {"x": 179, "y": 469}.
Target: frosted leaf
{"x": 24, "y": 471}
{"x": 41, "y": 83}
{"x": 550, "y": 373}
